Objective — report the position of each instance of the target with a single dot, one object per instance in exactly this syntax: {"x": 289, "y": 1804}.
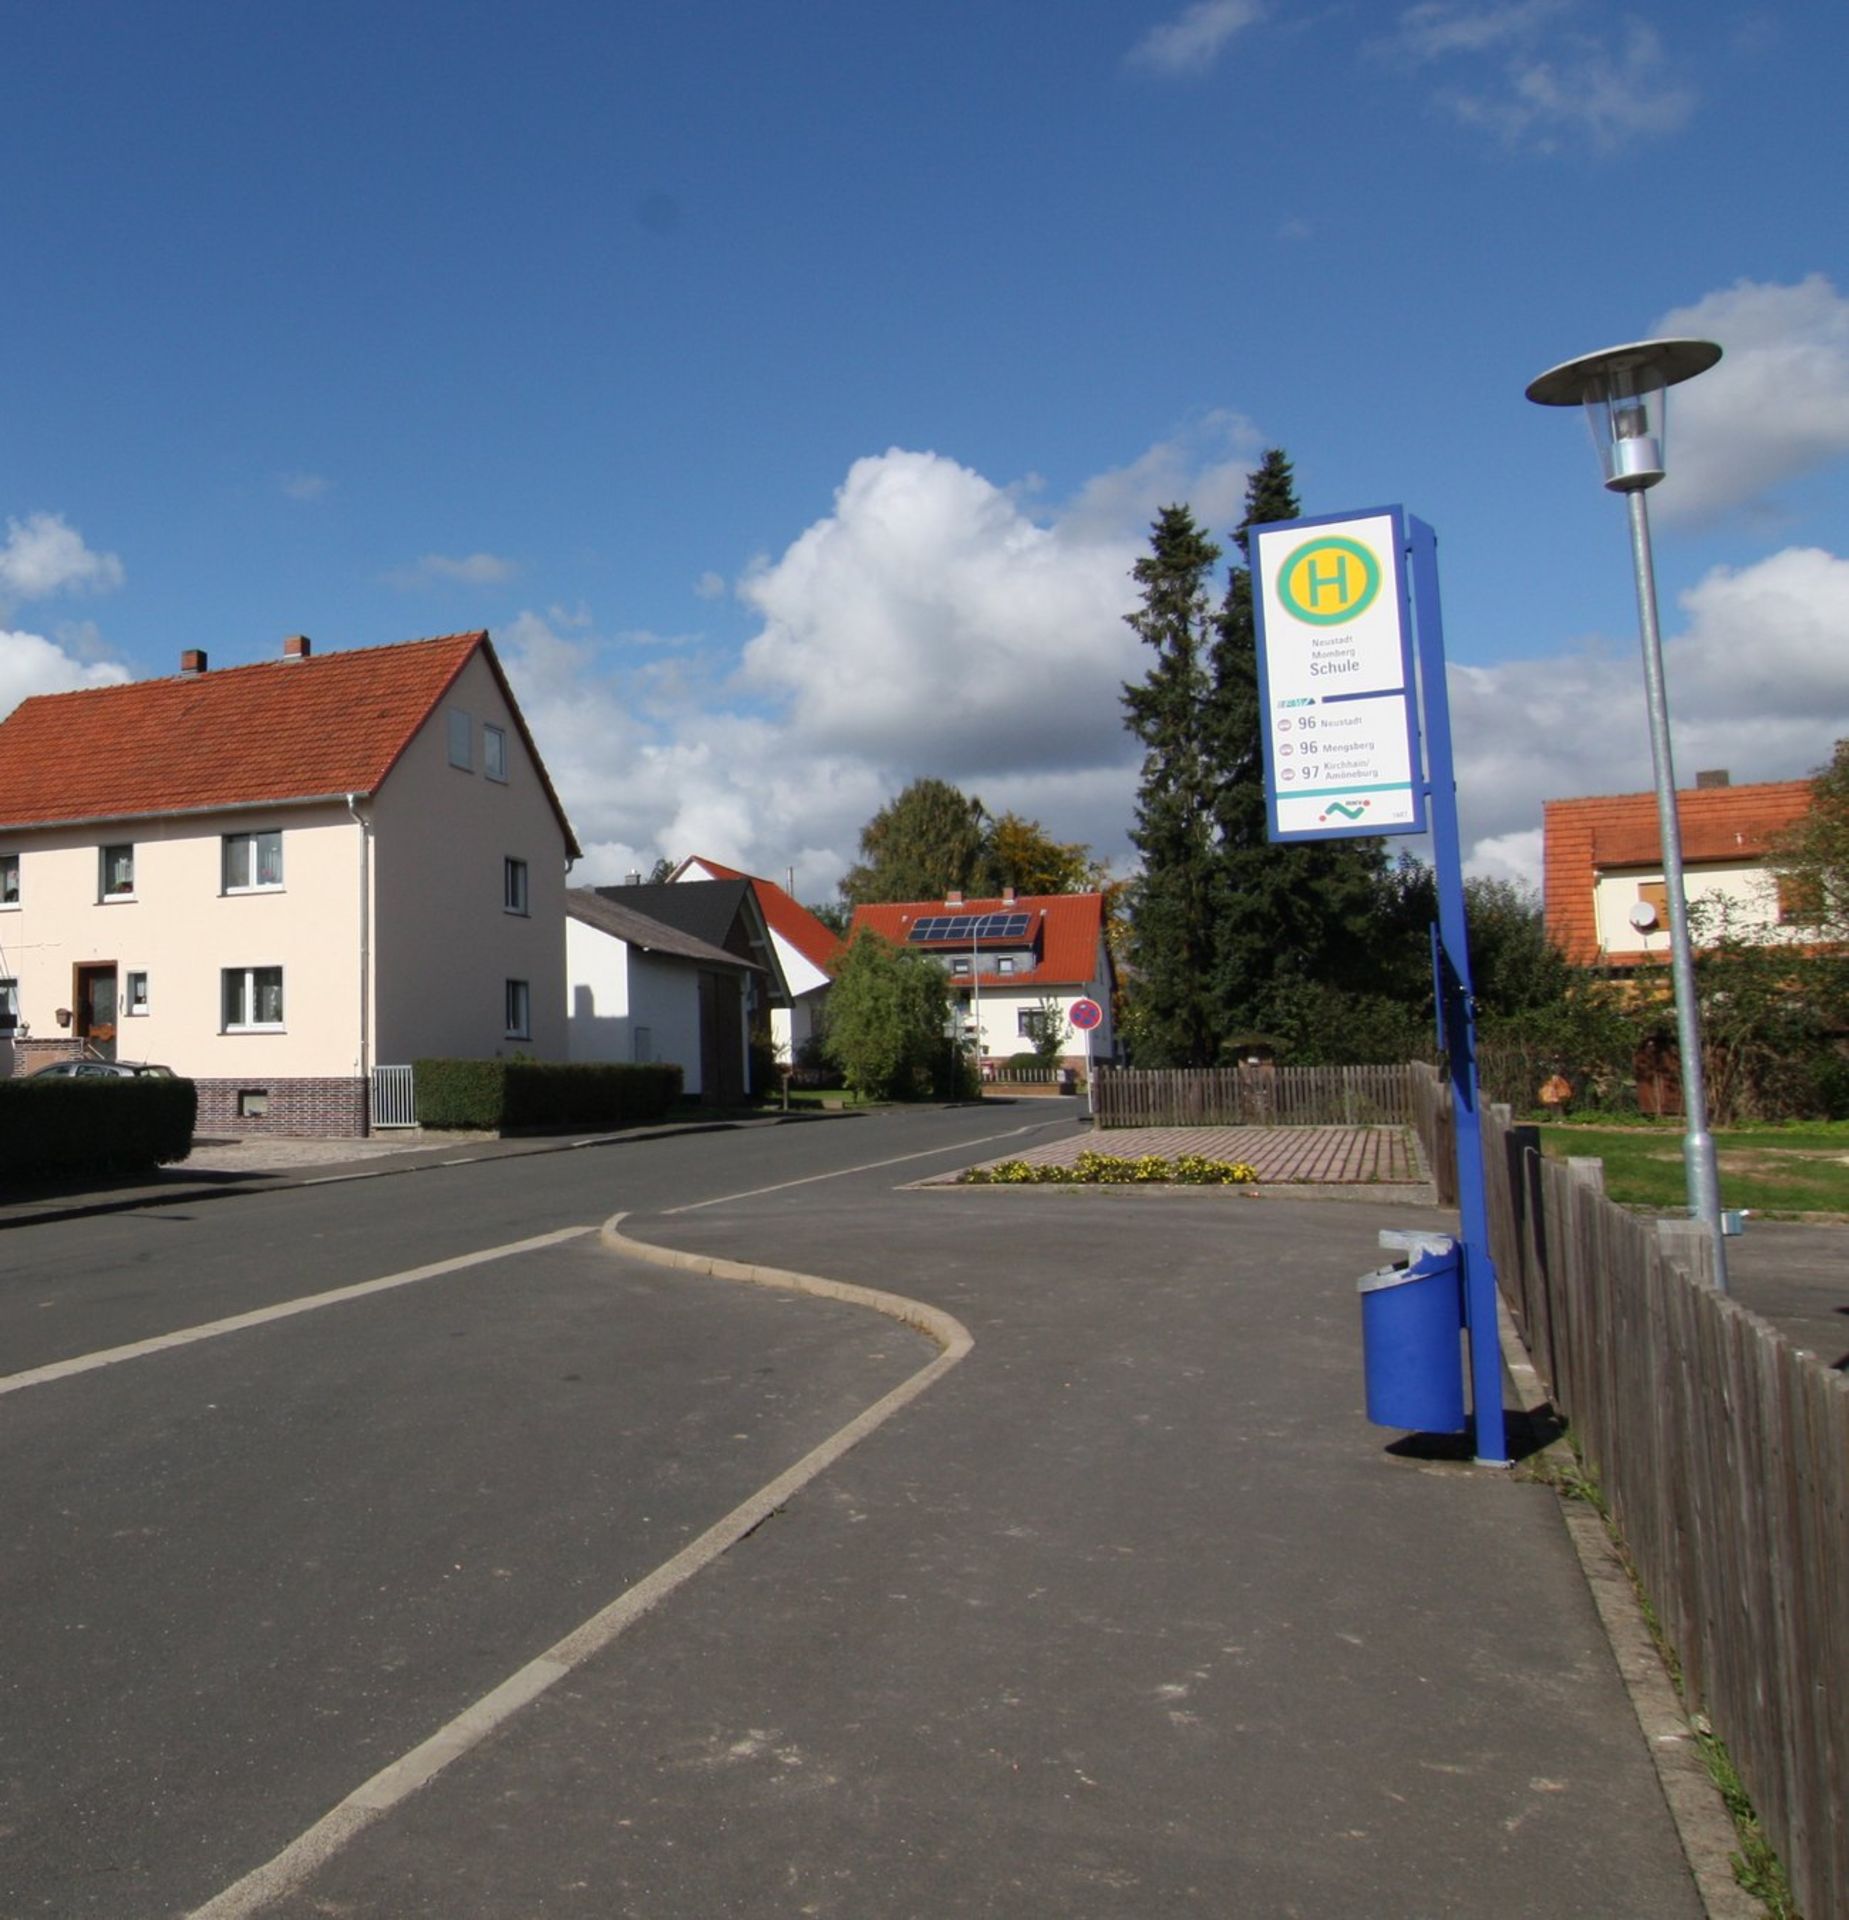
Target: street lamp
{"x": 1623, "y": 391}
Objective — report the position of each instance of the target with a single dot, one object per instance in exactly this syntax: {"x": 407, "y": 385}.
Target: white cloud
{"x": 470, "y": 570}
{"x": 303, "y": 486}
{"x": 709, "y": 586}
{"x": 1755, "y": 685}
{"x": 43, "y": 555}
{"x": 1195, "y": 38}
{"x": 929, "y": 624}
{"x": 29, "y": 664}
{"x": 1775, "y": 407}
{"x": 1556, "y": 85}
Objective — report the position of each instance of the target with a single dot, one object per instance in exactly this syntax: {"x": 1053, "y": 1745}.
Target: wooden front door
{"x": 96, "y": 1008}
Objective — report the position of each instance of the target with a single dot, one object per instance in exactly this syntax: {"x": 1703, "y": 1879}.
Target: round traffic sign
{"x": 1086, "y": 1014}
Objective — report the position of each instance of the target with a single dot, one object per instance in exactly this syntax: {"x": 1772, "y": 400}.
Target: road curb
{"x": 392, "y": 1785}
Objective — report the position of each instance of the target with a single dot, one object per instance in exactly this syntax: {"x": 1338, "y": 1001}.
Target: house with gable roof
{"x": 805, "y": 948}
{"x": 644, "y": 991}
{"x": 273, "y": 878}
{"x": 1605, "y": 896}
{"x": 1012, "y": 962}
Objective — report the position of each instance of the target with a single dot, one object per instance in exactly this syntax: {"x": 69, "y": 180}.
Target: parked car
{"x": 100, "y": 1070}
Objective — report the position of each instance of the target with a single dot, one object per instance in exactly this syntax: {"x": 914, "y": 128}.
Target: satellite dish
{"x": 1643, "y": 916}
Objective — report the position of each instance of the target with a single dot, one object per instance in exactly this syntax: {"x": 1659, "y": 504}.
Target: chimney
{"x": 193, "y": 660}
{"x": 1714, "y": 777}
{"x": 1007, "y": 896}
{"x": 954, "y": 898}
{"x": 633, "y": 878}
{"x": 298, "y": 646}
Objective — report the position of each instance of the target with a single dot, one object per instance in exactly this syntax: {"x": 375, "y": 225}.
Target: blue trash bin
{"x": 1411, "y": 1317}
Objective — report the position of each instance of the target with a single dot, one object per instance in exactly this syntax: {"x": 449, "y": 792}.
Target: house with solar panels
{"x": 286, "y": 881}
{"x": 1014, "y": 963}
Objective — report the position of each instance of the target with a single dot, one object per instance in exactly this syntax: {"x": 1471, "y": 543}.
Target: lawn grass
{"x": 1794, "y": 1169}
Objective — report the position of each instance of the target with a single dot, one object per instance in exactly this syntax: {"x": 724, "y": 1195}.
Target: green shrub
{"x": 58, "y": 1126}
{"x": 493, "y": 1095}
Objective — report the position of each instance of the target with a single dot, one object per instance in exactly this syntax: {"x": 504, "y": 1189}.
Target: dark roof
{"x": 707, "y": 909}
{"x": 594, "y": 907}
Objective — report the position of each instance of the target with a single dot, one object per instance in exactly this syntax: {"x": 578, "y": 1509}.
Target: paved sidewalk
{"x": 1130, "y": 1615}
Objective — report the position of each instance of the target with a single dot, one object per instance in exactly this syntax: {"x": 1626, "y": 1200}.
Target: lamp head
{"x": 1622, "y": 391}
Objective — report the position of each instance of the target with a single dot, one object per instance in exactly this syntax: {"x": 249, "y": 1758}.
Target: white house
{"x": 642, "y": 990}
{"x": 805, "y": 951}
{"x": 1014, "y": 963}
{"x": 1607, "y": 901}
{"x": 274, "y": 878}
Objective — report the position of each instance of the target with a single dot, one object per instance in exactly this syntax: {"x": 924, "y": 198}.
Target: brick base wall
{"x": 298, "y": 1109}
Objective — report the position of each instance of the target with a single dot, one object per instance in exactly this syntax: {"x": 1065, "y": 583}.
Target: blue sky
{"x": 789, "y": 389}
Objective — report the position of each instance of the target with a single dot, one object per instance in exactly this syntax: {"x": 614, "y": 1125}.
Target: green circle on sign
{"x": 1327, "y": 581}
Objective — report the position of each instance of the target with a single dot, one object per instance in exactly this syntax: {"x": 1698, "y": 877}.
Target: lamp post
{"x": 1623, "y": 391}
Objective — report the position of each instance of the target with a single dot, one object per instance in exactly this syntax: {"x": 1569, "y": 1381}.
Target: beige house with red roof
{"x": 1605, "y": 896}
{"x": 804, "y": 948}
{"x": 275, "y": 878}
{"x": 1010, "y": 960}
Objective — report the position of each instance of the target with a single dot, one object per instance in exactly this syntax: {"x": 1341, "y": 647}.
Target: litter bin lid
{"x": 1414, "y": 1241}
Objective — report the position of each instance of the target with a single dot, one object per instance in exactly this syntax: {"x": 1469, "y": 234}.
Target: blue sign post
{"x": 1334, "y": 609}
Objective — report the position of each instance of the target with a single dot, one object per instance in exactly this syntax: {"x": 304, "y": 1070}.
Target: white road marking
{"x": 283, "y": 1310}
{"x": 870, "y": 1166}
{"x": 289, "y": 1870}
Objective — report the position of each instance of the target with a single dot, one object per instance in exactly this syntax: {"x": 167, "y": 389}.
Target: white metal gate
{"x": 394, "y": 1099}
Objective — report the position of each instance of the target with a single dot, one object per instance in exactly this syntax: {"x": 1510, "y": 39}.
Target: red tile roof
{"x": 1067, "y": 930}
{"x": 1581, "y": 838}
{"x": 784, "y": 913}
{"x": 286, "y": 730}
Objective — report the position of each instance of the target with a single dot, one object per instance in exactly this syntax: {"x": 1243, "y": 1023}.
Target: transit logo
{"x": 1350, "y": 811}
{"x": 1327, "y": 581}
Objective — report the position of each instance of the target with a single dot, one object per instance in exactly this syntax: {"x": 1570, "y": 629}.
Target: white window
{"x": 9, "y": 879}
{"x": 116, "y": 873}
{"x": 461, "y": 739}
{"x": 1004, "y": 966}
{"x": 513, "y": 886}
{"x": 959, "y": 966}
{"x": 253, "y": 999}
{"x": 9, "y": 1005}
{"x": 253, "y": 862}
{"x": 135, "y": 998}
{"x": 519, "y": 1003}
{"x": 494, "y": 752}
{"x": 1031, "y": 1022}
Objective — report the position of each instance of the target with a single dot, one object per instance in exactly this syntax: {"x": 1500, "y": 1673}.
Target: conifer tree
{"x": 1291, "y": 920}
{"x": 1174, "y": 1020}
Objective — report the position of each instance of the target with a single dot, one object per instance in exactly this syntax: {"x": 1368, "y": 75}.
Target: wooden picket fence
{"x": 1253, "y": 1097}
{"x": 1723, "y": 1451}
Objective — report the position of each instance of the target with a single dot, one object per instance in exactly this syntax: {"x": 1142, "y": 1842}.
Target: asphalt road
{"x": 244, "y": 1571}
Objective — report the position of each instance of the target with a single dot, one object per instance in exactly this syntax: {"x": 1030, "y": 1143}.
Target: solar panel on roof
{"x": 968, "y": 927}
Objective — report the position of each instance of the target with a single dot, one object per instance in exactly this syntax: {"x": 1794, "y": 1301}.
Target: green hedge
{"x": 59, "y": 1126}
{"x": 503, "y": 1094}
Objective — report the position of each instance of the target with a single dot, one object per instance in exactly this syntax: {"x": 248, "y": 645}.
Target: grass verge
{"x": 1795, "y": 1169}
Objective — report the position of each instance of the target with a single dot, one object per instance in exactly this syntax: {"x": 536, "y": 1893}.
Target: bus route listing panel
{"x": 1338, "y": 724}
